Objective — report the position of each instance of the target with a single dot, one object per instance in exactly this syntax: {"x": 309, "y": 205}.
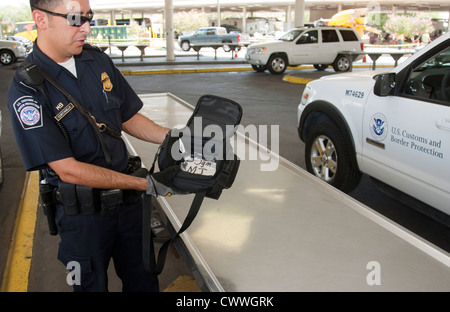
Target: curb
{"x": 17, "y": 269}
{"x": 182, "y": 71}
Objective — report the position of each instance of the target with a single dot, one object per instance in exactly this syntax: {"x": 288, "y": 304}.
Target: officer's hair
{"x": 44, "y": 4}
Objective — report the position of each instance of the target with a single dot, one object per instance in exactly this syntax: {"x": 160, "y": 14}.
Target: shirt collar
{"x": 49, "y": 65}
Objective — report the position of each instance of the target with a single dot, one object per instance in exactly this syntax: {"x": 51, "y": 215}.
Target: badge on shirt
{"x": 107, "y": 84}
{"x": 65, "y": 110}
{"x": 29, "y": 112}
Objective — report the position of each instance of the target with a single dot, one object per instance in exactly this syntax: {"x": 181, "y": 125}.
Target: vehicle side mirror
{"x": 384, "y": 84}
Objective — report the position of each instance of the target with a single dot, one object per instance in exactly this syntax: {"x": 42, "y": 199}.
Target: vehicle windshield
{"x": 291, "y": 35}
{"x": 440, "y": 60}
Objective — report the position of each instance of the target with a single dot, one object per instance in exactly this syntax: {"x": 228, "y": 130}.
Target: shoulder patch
{"x": 29, "y": 112}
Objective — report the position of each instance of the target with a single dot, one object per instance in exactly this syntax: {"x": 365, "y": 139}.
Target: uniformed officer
{"x": 99, "y": 211}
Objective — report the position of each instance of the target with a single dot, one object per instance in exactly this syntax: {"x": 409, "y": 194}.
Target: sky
{"x": 13, "y": 3}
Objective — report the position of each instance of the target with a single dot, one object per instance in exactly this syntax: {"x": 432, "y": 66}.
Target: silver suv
{"x": 321, "y": 46}
{"x": 11, "y": 51}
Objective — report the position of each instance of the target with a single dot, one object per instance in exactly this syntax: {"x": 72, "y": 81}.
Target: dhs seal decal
{"x": 378, "y": 127}
{"x": 29, "y": 112}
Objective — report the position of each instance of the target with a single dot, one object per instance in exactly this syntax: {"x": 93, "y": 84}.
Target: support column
{"x": 244, "y": 19}
{"x": 299, "y": 13}
{"x": 218, "y": 13}
{"x": 168, "y": 21}
{"x": 288, "y": 23}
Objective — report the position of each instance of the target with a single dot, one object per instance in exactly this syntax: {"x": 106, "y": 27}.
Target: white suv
{"x": 393, "y": 126}
{"x": 320, "y": 46}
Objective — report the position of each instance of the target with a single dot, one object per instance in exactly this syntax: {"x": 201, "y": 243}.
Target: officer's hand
{"x": 159, "y": 183}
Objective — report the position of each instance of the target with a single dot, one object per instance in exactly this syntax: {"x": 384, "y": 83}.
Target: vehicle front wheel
{"x": 341, "y": 64}
{"x": 185, "y": 46}
{"x": 328, "y": 158}
{"x": 6, "y": 57}
{"x": 277, "y": 64}
{"x": 259, "y": 68}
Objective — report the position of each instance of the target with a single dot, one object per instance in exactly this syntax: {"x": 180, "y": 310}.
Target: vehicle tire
{"x": 7, "y": 57}
{"x": 185, "y": 46}
{"x": 321, "y": 67}
{"x": 277, "y": 64}
{"x": 259, "y": 68}
{"x": 2, "y": 176}
{"x": 328, "y": 158}
{"x": 341, "y": 64}
{"x": 226, "y": 47}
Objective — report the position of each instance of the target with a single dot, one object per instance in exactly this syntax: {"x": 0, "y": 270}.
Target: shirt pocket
{"x": 113, "y": 109}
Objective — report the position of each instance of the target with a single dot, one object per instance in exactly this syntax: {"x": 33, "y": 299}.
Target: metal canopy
{"x": 210, "y": 6}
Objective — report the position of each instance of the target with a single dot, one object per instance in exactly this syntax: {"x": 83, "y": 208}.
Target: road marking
{"x": 15, "y": 277}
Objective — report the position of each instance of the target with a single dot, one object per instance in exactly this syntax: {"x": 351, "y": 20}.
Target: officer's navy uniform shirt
{"x": 100, "y": 88}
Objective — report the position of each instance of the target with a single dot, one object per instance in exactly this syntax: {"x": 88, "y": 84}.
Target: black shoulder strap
{"x": 33, "y": 69}
{"x": 156, "y": 266}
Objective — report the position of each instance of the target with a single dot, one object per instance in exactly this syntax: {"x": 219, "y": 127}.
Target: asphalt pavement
{"x": 27, "y": 251}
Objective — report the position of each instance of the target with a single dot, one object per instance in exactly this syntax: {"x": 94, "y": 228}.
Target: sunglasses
{"x": 76, "y": 20}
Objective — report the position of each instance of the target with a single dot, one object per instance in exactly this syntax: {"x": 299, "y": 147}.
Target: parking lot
{"x": 266, "y": 100}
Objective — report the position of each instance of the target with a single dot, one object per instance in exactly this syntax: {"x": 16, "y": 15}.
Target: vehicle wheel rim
{"x": 343, "y": 64}
{"x": 185, "y": 46}
{"x": 5, "y": 58}
{"x": 324, "y": 158}
{"x": 278, "y": 64}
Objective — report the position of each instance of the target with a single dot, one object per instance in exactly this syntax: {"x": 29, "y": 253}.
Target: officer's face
{"x": 66, "y": 37}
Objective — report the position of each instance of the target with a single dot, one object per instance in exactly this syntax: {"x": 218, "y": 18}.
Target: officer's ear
{"x": 40, "y": 18}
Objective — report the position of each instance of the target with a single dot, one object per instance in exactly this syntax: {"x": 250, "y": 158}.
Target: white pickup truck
{"x": 212, "y": 37}
{"x": 391, "y": 125}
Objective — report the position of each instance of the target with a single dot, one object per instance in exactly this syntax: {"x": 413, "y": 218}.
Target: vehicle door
{"x": 199, "y": 36}
{"x": 406, "y": 136}
{"x": 330, "y": 47}
{"x": 211, "y": 36}
{"x": 306, "y": 48}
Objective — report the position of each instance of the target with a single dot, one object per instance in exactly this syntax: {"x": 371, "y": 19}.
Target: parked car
{"x": 391, "y": 125}
{"x": 320, "y": 46}
{"x": 27, "y": 42}
{"x": 212, "y": 37}
{"x": 11, "y": 51}
{"x": 2, "y": 177}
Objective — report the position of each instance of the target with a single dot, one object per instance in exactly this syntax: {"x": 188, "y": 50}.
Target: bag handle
{"x": 150, "y": 264}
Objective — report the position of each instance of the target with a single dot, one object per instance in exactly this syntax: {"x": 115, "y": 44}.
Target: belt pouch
{"x": 68, "y": 197}
{"x": 85, "y": 196}
{"x": 111, "y": 201}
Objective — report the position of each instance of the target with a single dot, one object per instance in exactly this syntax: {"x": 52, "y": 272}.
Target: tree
{"x": 409, "y": 26}
{"x": 9, "y": 15}
{"x": 190, "y": 21}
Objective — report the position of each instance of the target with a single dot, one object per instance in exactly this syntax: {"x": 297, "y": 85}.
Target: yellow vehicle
{"x": 26, "y": 30}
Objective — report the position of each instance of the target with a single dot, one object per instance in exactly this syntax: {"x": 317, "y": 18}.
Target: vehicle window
{"x": 200, "y": 32}
{"x": 291, "y": 35}
{"x": 308, "y": 37}
{"x": 210, "y": 32}
{"x": 329, "y": 35}
{"x": 348, "y": 35}
{"x": 431, "y": 79}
